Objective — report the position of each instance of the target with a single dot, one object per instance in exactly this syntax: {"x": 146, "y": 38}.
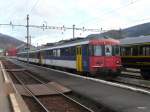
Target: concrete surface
{"x": 119, "y": 99}
{"x": 10, "y": 99}
{"x": 5, "y": 105}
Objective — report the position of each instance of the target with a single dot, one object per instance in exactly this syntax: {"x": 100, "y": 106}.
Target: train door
{"x": 85, "y": 58}
{"x": 79, "y": 59}
{"x": 40, "y": 57}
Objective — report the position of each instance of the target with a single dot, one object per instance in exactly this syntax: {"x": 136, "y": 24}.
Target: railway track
{"x": 132, "y": 79}
{"x": 140, "y": 88}
{"x": 43, "y": 108}
{"x": 131, "y": 75}
{"x": 20, "y": 77}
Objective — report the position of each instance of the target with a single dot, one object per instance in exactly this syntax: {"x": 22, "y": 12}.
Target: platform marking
{"x": 99, "y": 80}
{"x": 14, "y": 102}
{"x": 4, "y": 73}
{"x": 142, "y": 108}
{"x": 133, "y": 69}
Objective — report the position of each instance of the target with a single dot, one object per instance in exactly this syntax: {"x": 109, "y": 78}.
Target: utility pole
{"x": 28, "y": 48}
{"x": 73, "y": 31}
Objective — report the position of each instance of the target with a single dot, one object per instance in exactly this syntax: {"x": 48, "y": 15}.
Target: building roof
{"x": 135, "y": 40}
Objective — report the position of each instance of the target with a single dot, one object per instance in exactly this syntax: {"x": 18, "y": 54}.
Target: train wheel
{"x": 145, "y": 74}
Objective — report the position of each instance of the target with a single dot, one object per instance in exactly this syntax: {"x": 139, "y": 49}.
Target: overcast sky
{"x": 106, "y": 14}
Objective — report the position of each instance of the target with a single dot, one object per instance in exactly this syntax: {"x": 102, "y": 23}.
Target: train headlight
{"x": 117, "y": 62}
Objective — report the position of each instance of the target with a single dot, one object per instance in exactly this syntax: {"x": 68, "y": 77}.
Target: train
{"x": 135, "y": 53}
{"x": 11, "y": 51}
{"x": 91, "y": 56}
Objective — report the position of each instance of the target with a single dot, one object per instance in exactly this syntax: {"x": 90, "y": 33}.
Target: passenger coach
{"x": 135, "y": 52}
{"x": 90, "y": 56}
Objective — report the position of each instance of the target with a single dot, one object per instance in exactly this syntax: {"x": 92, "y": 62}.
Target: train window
{"x": 108, "y": 50}
{"x": 66, "y": 51}
{"x": 128, "y": 51}
{"x": 97, "y": 50}
{"x": 50, "y": 53}
{"x": 134, "y": 51}
{"x": 146, "y": 51}
{"x": 54, "y": 53}
{"x": 62, "y": 52}
{"x": 122, "y": 51}
{"x": 58, "y": 52}
{"x": 72, "y": 51}
{"x": 140, "y": 51}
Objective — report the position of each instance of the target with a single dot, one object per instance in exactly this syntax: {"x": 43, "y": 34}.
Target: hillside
{"x": 142, "y": 29}
{"x": 8, "y": 41}
{"x": 138, "y": 30}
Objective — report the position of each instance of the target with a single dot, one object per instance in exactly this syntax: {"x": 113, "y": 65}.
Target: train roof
{"x": 76, "y": 42}
{"x": 73, "y": 42}
{"x": 135, "y": 40}
{"x": 104, "y": 41}
{"x": 68, "y": 44}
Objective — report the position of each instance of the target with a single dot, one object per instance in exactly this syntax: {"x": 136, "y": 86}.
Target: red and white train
{"x": 90, "y": 56}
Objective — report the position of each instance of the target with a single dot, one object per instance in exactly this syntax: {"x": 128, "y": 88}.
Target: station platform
{"x": 10, "y": 99}
{"x": 115, "y": 98}
{"x": 4, "y": 99}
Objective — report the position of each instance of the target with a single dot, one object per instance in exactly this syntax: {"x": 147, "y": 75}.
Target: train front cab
{"x": 104, "y": 57}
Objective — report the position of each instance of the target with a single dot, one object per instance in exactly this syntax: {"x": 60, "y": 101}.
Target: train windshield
{"x": 104, "y": 50}
{"x": 97, "y": 50}
{"x": 116, "y": 50}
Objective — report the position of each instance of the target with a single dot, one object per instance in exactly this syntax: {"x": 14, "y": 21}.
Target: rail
{"x": 58, "y": 91}
{"x": 29, "y": 91}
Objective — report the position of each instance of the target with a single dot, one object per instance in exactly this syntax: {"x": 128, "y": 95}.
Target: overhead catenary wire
{"x": 35, "y": 4}
{"x": 14, "y": 12}
{"x": 46, "y": 27}
{"x": 53, "y": 27}
{"x": 111, "y": 11}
